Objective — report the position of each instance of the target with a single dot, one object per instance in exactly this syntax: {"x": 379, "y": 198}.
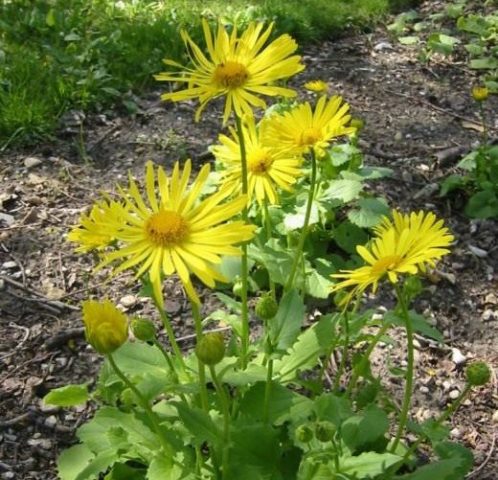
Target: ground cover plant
{"x": 87, "y": 55}
{"x": 258, "y": 408}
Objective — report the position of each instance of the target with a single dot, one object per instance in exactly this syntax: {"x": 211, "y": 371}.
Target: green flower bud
{"x": 357, "y": 123}
{"x": 304, "y": 434}
{"x": 211, "y": 348}
{"x": 478, "y": 373}
{"x": 267, "y": 307}
{"x": 325, "y": 431}
{"x": 237, "y": 288}
{"x": 480, "y": 94}
{"x": 143, "y": 329}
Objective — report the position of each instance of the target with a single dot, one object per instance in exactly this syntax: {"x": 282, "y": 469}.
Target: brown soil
{"x": 414, "y": 115}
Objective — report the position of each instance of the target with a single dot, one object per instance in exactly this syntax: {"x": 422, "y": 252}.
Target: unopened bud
{"x": 143, "y": 329}
{"x": 478, "y": 373}
{"x": 357, "y": 123}
{"x": 211, "y": 348}
{"x": 267, "y": 307}
{"x": 304, "y": 433}
{"x": 325, "y": 431}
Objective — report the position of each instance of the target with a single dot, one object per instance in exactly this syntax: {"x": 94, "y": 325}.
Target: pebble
{"x": 446, "y": 385}
{"x": 489, "y": 315}
{"x": 51, "y": 421}
{"x": 454, "y": 394}
{"x": 424, "y": 389}
{"x": 44, "y": 443}
{"x": 478, "y": 252}
{"x": 31, "y": 162}
{"x": 8, "y": 475}
{"x": 9, "y": 265}
{"x": 457, "y": 357}
{"x": 494, "y": 418}
{"x": 456, "y": 433}
{"x": 128, "y": 301}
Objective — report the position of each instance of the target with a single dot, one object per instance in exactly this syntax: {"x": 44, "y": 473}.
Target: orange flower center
{"x": 259, "y": 162}
{"x": 385, "y": 264}
{"x": 309, "y": 137}
{"x": 166, "y": 228}
{"x": 230, "y": 75}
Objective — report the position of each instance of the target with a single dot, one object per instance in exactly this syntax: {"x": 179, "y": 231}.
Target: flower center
{"x": 385, "y": 264}
{"x": 259, "y": 162}
{"x": 230, "y": 75}
{"x": 309, "y": 137}
{"x": 166, "y": 228}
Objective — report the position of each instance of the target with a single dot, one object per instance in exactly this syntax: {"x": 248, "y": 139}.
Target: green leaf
{"x": 275, "y": 260}
{"x": 50, "y": 18}
{"x": 317, "y": 285}
{"x": 362, "y": 430}
{"x": 482, "y": 204}
{"x": 473, "y": 24}
{"x": 295, "y": 221}
{"x": 348, "y": 236}
{"x": 451, "y": 183}
{"x": 369, "y": 464}
{"x": 199, "y": 424}
{"x": 409, "y": 40}
{"x": 230, "y": 267}
{"x": 67, "y": 396}
{"x": 332, "y": 408}
{"x": 419, "y": 323}
{"x": 374, "y": 173}
{"x": 474, "y": 49}
{"x": 99, "y": 464}
{"x": 341, "y": 154}
{"x": 163, "y": 468}
{"x": 285, "y": 405}
{"x": 310, "y": 345}
{"x": 345, "y": 190}
{"x": 369, "y": 213}
{"x": 73, "y": 461}
{"x": 486, "y": 63}
{"x": 469, "y": 161}
{"x": 121, "y": 471}
{"x": 286, "y": 325}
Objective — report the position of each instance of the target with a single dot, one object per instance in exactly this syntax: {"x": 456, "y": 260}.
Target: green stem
{"x": 244, "y": 264}
{"x": 269, "y": 375}
{"x": 268, "y": 229}
{"x": 484, "y": 126}
{"x": 143, "y": 402}
{"x": 403, "y": 416}
{"x": 365, "y": 357}
{"x": 225, "y": 408}
{"x": 171, "y": 335}
{"x": 305, "y": 229}
{"x": 200, "y": 365}
{"x": 444, "y": 416}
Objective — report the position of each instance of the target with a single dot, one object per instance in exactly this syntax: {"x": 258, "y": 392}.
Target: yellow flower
{"x": 97, "y": 229}
{"x": 317, "y": 86}
{"x": 267, "y": 166}
{"x": 106, "y": 328}
{"x": 302, "y": 130}
{"x": 404, "y": 245}
{"x": 174, "y": 232}
{"x": 237, "y": 68}
{"x": 480, "y": 94}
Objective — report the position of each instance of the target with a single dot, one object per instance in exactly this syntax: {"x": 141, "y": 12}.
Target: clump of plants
{"x": 280, "y": 218}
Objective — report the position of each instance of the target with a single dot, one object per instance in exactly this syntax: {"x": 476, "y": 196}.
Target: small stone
{"x": 8, "y": 475}
{"x": 44, "y": 443}
{"x": 51, "y": 421}
{"x": 31, "y": 162}
{"x": 456, "y": 433}
{"x": 478, "y": 252}
{"x": 10, "y": 265}
{"x": 491, "y": 298}
{"x": 6, "y": 219}
{"x": 457, "y": 357}
{"x": 454, "y": 394}
{"x": 383, "y": 46}
{"x": 489, "y": 315}
{"x": 424, "y": 389}
{"x": 128, "y": 301}
{"x": 377, "y": 316}
{"x": 494, "y": 418}
{"x": 446, "y": 385}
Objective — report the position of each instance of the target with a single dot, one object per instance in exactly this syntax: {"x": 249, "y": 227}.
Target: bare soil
{"x": 419, "y": 121}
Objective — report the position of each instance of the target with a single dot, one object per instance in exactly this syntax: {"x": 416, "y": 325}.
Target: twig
{"x": 486, "y": 460}
{"x": 19, "y": 264}
{"x": 63, "y": 337}
{"x": 15, "y": 420}
{"x": 103, "y": 137}
{"x": 435, "y": 107}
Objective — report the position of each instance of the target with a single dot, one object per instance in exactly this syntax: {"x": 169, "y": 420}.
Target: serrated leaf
{"x": 482, "y": 204}
{"x": 317, "y": 285}
{"x": 345, "y": 190}
{"x": 419, "y": 324}
{"x": 348, "y": 236}
{"x": 73, "y": 461}
{"x": 409, "y": 40}
{"x": 122, "y": 471}
{"x": 163, "y": 468}
{"x": 369, "y": 213}
{"x": 310, "y": 345}
{"x": 199, "y": 424}
{"x": 286, "y": 325}
{"x": 295, "y": 221}
{"x": 67, "y": 396}
{"x": 486, "y": 63}
{"x": 368, "y": 464}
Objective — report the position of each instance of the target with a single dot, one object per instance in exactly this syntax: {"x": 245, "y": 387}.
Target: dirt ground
{"x": 419, "y": 121}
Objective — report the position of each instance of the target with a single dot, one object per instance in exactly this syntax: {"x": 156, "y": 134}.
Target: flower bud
{"x": 325, "y": 431}
{"x": 106, "y": 327}
{"x": 211, "y": 348}
{"x": 143, "y": 329}
{"x": 479, "y": 93}
{"x": 237, "y": 288}
{"x": 267, "y": 307}
{"x": 304, "y": 434}
{"x": 357, "y": 123}
{"x": 478, "y": 373}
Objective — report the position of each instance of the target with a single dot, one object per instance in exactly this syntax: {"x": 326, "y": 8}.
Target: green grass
{"x": 89, "y": 54}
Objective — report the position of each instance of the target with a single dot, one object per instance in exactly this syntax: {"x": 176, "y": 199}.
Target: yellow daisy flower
{"x": 239, "y": 68}
{"x": 302, "y": 129}
{"x": 267, "y": 166}
{"x": 106, "y": 327}
{"x": 174, "y": 232}
{"x": 98, "y": 228}
{"x": 317, "y": 86}
{"x": 405, "y": 245}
